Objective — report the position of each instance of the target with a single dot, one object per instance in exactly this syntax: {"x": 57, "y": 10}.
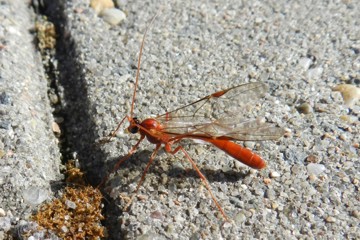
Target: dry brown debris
{"x": 46, "y": 34}
{"x": 77, "y": 213}
{"x": 73, "y": 174}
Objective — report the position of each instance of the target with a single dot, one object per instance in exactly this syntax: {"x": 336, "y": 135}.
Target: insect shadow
{"x": 141, "y": 158}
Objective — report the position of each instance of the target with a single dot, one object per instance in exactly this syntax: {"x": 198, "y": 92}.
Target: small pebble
{"x": 287, "y": 134}
{"x": 330, "y": 219}
{"x": 356, "y": 214}
{"x": 178, "y": 219}
{"x": 350, "y": 93}
{"x": 100, "y": 5}
{"x": 240, "y": 218}
{"x": 328, "y": 135}
{"x": 5, "y": 99}
{"x": 252, "y": 211}
{"x": 312, "y": 177}
{"x": 304, "y": 108}
{"x": 270, "y": 194}
{"x": 349, "y": 119}
{"x": 142, "y": 197}
{"x": 349, "y": 129}
{"x": 157, "y": 215}
{"x": 346, "y": 179}
{"x": 35, "y": 195}
{"x": 181, "y": 198}
{"x": 315, "y": 168}
{"x": 315, "y": 73}
{"x": 64, "y": 229}
{"x": 274, "y": 174}
{"x": 170, "y": 228}
{"x": 54, "y": 99}
{"x": 56, "y": 128}
{"x": 70, "y": 204}
{"x": 311, "y": 159}
{"x": 267, "y": 181}
{"x": 5, "y": 223}
{"x": 252, "y": 171}
{"x": 249, "y": 144}
{"x": 258, "y": 20}
{"x": 274, "y": 205}
{"x": 305, "y": 63}
{"x": 113, "y": 16}
{"x": 2, "y": 212}
{"x": 355, "y": 181}
{"x": 164, "y": 179}
{"x": 244, "y": 186}
{"x": 2, "y": 153}
{"x": 121, "y": 2}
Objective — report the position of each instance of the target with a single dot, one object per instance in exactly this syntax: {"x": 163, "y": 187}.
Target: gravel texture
{"x": 29, "y": 153}
{"x": 301, "y": 50}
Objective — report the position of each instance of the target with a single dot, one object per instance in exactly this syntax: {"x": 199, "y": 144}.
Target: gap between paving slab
{"x": 77, "y": 110}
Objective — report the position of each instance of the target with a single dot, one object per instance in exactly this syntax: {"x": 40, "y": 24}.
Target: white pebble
{"x": 5, "y": 224}
{"x": 304, "y": 63}
{"x": 2, "y": 212}
{"x": 274, "y": 174}
{"x": 315, "y": 168}
{"x": 330, "y": 219}
{"x": 315, "y": 73}
{"x": 35, "y": 195}
{"x": 113, "y": 16}
{"x": 64, "y": 229}
{"x": 70, "y": 204}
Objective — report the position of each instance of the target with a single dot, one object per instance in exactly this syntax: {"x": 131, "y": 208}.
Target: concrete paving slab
{"x": 299, "y": 49}
{"x": 30, "y": 157}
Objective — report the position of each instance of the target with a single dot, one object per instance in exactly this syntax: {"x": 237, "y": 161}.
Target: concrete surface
{"x": 310, "y": 188}
{"x": 30, "y": 157}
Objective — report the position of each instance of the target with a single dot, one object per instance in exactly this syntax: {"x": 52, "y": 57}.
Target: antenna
{"x": 138, "y": 66}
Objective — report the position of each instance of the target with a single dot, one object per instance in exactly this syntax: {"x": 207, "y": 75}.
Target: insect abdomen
{"x": 238, "y": 152}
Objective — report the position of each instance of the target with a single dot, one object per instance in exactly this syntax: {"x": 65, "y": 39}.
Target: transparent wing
{"x": 224, "y": 114}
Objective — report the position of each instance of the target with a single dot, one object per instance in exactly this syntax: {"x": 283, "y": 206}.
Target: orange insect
{"x": 212, "y": 119}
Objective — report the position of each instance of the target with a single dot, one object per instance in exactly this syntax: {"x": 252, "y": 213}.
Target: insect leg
{"x": 202, "y": 177}
{"x": 122, "y": 160}
{"x": 153, "y": 155}
{"x": 113, "y": 133}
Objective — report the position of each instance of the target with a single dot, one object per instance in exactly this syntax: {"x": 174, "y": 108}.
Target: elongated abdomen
{"x": 238, "y": 152}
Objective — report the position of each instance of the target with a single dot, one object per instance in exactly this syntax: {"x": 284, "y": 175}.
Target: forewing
{"x": 253, "y": 130}
{"x": 222, "y": 114}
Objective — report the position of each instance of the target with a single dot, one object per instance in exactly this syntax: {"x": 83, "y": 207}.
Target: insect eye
{"x": 133, "y": 129}
{"x": 136, "y": 120}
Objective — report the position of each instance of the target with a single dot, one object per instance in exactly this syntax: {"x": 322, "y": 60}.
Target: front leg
{"x": 153, "y": 155}
{"x": 122, "y": 160}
